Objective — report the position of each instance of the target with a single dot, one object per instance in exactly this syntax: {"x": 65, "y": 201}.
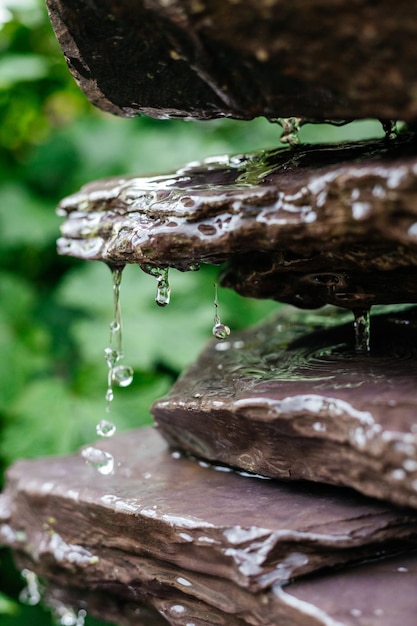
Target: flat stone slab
{"x": 181, "y": 58}
{"x": 197, "y": 543}
{"x": 333, "y": 224}
{"x": 291, "y": 399}
{"x": 378, "y": 593}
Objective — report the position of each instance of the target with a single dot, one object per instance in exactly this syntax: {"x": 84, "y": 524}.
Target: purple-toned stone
{"x": 312, "y": 226}
{"x": 291, "y": 399}
{"x": 194, "y": 542}
{"x": 205, "y": 59}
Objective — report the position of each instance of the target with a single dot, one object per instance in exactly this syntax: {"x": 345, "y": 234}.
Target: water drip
{"x": 362, "y": 330}
{"x": 290, "y": 128}
{"x": 219, "y": 330}
{"x": 121, "y": 375}
{"x": 31, "y": 594}
{"x": 163, "y": 290}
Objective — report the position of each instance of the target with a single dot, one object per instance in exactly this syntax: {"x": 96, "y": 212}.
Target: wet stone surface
{"x": 198, "y": 544}
{"x": 292, "y": 399}
{"x": 308, "y": 226}
{"x": 206, "y": 59}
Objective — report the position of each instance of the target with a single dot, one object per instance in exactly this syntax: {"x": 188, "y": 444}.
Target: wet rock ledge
{"x": 199, "y": 544}
{"x": 315, "y": 225}
{"x": 291, "y": 399}
{"x": 214, "y": 58}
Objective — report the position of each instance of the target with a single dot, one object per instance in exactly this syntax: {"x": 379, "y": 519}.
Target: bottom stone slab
{"x": 291, "y": 399}
{"x": 198, "y": 544}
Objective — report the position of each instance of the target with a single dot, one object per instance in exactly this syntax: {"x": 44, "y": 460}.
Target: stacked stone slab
{"x": 287, "y": 455}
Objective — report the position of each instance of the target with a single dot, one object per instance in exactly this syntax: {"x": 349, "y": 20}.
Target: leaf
{"x": 7, "y": 605}
{"x": 16, "y": 68}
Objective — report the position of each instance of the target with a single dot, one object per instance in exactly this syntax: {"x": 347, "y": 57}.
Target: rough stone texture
{"x": 198, "y": 544}
{"x": 378, "y": 593}
{"x": 291, "y": 399}
{"x": 315, "y": 225}
{"x": 206, "y": 59}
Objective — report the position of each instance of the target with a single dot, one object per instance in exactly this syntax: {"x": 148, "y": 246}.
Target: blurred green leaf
{"x": 7, "y": 605}
{"x": 15, "y": 68}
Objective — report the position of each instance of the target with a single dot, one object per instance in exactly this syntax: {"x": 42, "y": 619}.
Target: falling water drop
{"x": 31, "y": 594}
{"x": 100, "y": 459}
{"x": 122, "y": 375}
{"x": 362, "y": 330}
{"x": 105, "y": 428}
{"x": 219, "y": 330}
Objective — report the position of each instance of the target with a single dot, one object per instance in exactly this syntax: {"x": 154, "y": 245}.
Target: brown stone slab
{"x": 311, "y": 58}
{"x": 291, "y": 399}
{"x": 315, "y": 225}
{"x": 166, "y": 531}
{"x": 380, "y": 593}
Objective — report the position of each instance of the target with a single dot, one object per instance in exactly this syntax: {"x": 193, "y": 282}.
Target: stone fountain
{"x": 280, "y": 485}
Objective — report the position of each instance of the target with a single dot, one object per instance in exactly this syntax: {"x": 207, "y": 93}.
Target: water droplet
{"x": 122, "y": 375}
{"x": 362, "y": 330}
{"x": 105, "y": 428}
{"x": 163, "y": 290}
{"x": 31, "y": 594}
{"x": 114, "y": 326}
{"x": 67, "y": 616}
{"x": 290, "y": 129}
{"x": 219, "y": 330}
{"x": 111, "y": 357}
{"x": 100, "y": 459}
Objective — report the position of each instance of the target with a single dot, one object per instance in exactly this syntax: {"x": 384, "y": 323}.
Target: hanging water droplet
{"x": 100, "y": 459}
{"x": 105, "y": 428}
{"x": 122, "y": 375}
{"x": 362, "y": 329}
{"x": 221, "y": 331}
{"x": 163, "y": 290}
{"x": 31, "y": 594}
{"x": 290, "y": 129}
{"x": 109, "y": 395}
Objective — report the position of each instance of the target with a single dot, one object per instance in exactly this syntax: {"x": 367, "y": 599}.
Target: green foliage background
{"x": 55, "y": 311}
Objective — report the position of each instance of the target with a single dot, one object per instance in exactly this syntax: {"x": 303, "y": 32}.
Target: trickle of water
{"x": 163, "y": 289}
{"x": 362, "y": 327}
{"x": 100, "y": 459}
{"x": 31, "y": 594}
{"x": 121, "y": 375}
{"x": 219, "y": 330}
{"x": 105, "y": 428}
